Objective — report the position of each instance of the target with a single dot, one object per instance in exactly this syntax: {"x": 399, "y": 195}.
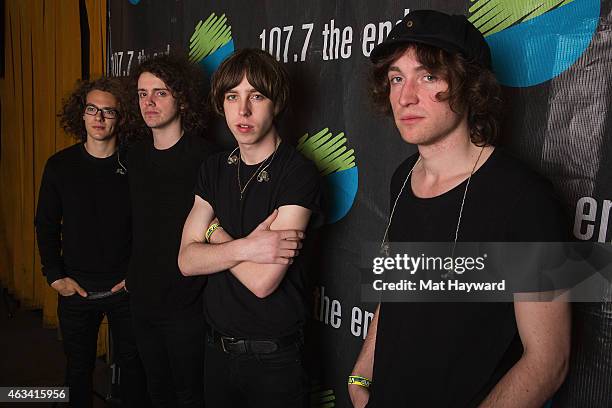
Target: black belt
{"x": 103, "y": 295}
{"x": 233, "y": 345}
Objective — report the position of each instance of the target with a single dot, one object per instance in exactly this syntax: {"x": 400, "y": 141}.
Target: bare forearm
{"x": 260, "y": 279}
{"x": 364, "y": 366}
{"x": 530, "y": 383}
{"x": 199, "y": 258}
{"x": 544, "y": 328}
{"x": 365, "y": 362}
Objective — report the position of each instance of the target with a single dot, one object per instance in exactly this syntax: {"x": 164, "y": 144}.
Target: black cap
{"x": 454, "y": 34}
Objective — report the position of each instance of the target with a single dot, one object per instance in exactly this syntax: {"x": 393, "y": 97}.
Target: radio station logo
{"x": 533, "y": 41}
{"x": 336, "y": 164}
{"x": 211, "y": 42}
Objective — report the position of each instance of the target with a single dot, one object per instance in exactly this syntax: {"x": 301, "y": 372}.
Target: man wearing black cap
{"x": 433, "y": 74}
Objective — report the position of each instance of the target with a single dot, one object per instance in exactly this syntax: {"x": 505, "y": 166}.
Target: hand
{"x": 68, "y": 287}
{"x": 265, "y": 246}
{"x": 359, "y": 395}
{"x": 119, "y": 286}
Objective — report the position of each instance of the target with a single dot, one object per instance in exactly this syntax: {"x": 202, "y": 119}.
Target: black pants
{"x": 79, "y": 320}
{"x": 172, "y": 352}
{"x": 255, "y": 380}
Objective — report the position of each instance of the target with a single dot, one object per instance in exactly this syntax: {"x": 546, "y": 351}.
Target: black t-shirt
{"x": 453, "y": 354}
{"x": 161, "y": 188}
{"x": 230, "y": 307}
{"x": 83, "y": 219}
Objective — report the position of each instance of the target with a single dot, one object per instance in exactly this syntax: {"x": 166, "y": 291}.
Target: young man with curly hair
{"x": 83, "y": 228}
{"x": 433, "y": 74}
{"x": 252, "y": 206}
{"x": 163, "y": 169}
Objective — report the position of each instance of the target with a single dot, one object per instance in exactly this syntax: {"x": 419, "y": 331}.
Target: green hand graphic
{"x": 208, "y": 36}
{"x": 493, "y": 16}
{"x": 328, "y": 153}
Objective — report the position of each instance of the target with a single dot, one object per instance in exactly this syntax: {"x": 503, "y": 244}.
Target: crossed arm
{"x": 259, "y": 261}
{"x": 544, "y": 328}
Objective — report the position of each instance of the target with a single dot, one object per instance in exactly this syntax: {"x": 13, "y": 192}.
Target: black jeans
{"x": 79, "y": 320}
{"x": 172, "y": 351}
{"x": 271, "y": 380}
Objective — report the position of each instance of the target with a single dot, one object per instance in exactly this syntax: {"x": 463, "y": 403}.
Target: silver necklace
{"x": 384, "y": 245}
{"x": 122, "y": 170}
{"x": 262, "y": 174}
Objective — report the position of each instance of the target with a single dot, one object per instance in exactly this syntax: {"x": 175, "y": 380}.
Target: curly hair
{"x": 262, "y": 71}
{"x": 471, "y": 87}
{"x": 73, "y": 106}
{"x": 186, "y": 82}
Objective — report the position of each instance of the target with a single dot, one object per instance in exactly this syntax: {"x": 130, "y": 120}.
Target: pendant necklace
{"x": 261, "y": 173}
{"x": 384, "y": 245}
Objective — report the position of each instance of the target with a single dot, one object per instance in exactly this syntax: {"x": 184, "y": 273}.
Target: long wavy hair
{"x": 73, "y": 107}
{"x": 471, "y": 87}
{"x": 185, "y": 80}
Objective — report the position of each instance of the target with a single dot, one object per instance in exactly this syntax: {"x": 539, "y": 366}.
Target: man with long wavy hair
{"x": 167, "y": 306}
{"x": 84, "y": 235}
{"x": 433, "y": 75}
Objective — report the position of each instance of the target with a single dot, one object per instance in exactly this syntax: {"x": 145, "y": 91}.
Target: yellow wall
{"x": 42, "y": 64}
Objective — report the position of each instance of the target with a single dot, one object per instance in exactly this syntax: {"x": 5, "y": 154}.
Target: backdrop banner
{"x": 554, "y": 59}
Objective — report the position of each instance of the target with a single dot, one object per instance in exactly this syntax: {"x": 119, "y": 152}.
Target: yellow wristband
{"x": 211, "y": 230}
{"x": 359, "y": 380}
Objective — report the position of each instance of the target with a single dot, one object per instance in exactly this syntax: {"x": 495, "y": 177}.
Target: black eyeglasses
{"x": 106, "y": 113}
